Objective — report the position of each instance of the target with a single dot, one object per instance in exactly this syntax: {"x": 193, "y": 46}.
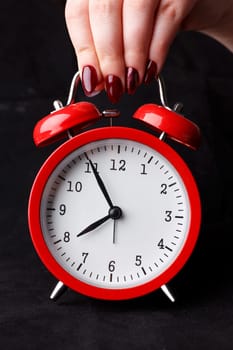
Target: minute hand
{"x": 100, "y": 183}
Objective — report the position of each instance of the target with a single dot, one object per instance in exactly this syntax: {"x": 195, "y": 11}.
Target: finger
{"x": 78, "y": 25}
{"x": 106, "y": 27}
{"x": 169, "y": 17}
{"x": 138, "y": 20}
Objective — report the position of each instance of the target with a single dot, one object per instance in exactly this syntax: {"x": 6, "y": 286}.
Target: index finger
{"x": 78, "y": 25}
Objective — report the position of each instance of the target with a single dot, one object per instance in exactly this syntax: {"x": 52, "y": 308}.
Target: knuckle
{"x": 86, "y": 50}
{"x": 111, "y": 64}
{"x": 105, "y": 7}
{"x": 109, "y": 53}
{"x": 170, "y": 9}
{"x": 141, "y": 5}
{"x": 136, "y": 57}
{"x": 108, "y": 59}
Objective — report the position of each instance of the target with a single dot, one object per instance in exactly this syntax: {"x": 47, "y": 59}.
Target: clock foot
{"x": 167, "y": 292}
{"x": 59, "y": 289}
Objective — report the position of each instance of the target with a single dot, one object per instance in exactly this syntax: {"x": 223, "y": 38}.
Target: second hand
{"x": 114, "y": 231}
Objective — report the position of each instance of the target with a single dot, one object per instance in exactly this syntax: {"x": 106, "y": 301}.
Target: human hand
{"x": 121, "y": 44}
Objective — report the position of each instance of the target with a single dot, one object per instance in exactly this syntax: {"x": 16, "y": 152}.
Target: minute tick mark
{"x": 143, "y": 270}
{"x": 61, "y": 177}
{"x": 168, "y": 248}
{"x": 150, "y": 159}
{"x": 79, "y": 267}
{"x": 57, "y": 241}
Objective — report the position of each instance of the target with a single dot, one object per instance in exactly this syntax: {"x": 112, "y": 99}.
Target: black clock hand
{"x": 100, "y": 183}
{"x": 114, "y": 213}
{"x": 94, "y": 225}
{"x": 114, "y": 232}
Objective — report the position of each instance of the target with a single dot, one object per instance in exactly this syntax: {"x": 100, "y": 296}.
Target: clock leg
{"x": 59, "y": 289}
{"x": 167, "y": 292}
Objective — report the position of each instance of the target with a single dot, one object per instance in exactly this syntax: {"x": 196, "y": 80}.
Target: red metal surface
{"x": 74, "y": 117}
{"x": 56, "y": 158}
{"x": 174, "y": 125}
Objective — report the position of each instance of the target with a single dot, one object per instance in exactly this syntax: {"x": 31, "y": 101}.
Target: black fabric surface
{"x": 37, "y": 63}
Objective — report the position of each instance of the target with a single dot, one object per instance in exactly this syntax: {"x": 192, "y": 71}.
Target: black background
{"x": 37, "y": 63}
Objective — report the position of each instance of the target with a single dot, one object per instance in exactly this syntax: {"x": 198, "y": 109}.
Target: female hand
{"x": 121, "y": 43}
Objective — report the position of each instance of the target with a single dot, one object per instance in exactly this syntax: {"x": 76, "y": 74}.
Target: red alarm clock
{"x": 114, "y": 212}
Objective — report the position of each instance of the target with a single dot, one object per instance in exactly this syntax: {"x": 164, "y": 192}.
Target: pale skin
{"x": 116, "y": 39}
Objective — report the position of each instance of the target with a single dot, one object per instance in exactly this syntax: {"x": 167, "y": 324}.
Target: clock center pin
{"x": 115, "y": 212}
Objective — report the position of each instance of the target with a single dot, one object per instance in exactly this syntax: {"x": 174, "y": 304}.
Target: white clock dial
{"x": 124, "y": 252}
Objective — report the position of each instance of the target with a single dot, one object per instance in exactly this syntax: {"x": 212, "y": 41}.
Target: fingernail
{"x": 132, "y": 80}
{"x": 89, "y": 79}
{"x": 151, "y": 72}
{"x": 113, "y": 88}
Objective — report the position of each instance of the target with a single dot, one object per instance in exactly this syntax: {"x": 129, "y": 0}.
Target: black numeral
{"x": 138, "y": 260}
{"x": 143, "y": 172}
{"x": 161, "y": 244}
{"x": 120, "y": 165}
{"x": 66, "y": 237}
{"x": 62, "y": 209}
{"x": 168, "y": 214}
{"x": 74, "y": 186}
{"x": 85, "y": 255}
{"x": 88, "y": 167}
{"x": 112, "y": 266}
{"x": 164, "y": 189}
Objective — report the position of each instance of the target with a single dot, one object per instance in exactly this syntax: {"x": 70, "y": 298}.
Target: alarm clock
{"x": 114, "y": 212}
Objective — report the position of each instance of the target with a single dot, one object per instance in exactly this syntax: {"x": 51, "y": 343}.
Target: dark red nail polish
{"x": 89, "y": 79}
{"x": 151, "y": 72}
{"x": 132, "y": 80}
{"x": 113, "y": 88}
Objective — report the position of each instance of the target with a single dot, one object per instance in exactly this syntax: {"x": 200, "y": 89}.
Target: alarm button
{"x": 72, "y": 118}
{"x": 174, "y": 125}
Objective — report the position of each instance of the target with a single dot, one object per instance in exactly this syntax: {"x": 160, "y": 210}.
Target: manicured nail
{"x": 113, "y": 88}
{"x": 151, "y": 72}
{"x": 89, "y": 80}
{"x": 132, "y": 80}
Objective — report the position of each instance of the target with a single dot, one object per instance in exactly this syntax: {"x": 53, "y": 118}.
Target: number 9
{"x": 62, "y": 209}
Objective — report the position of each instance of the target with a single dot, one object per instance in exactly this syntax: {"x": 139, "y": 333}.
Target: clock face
{"x": 126, "y": 242}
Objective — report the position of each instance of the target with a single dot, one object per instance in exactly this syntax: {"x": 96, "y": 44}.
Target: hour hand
{"x": 94, "y": 225}
{"x": 114, "y": 213}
